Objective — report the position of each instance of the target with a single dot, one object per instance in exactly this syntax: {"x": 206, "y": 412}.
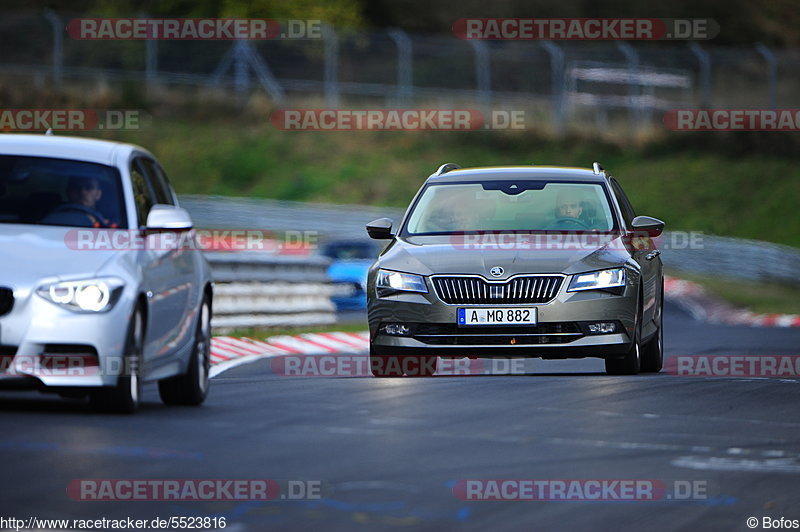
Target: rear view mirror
{"x": 380, "y": 229}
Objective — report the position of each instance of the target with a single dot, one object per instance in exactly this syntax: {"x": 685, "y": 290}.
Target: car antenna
{"x": 49, "y": 132}
{"x": 597, "y": 168}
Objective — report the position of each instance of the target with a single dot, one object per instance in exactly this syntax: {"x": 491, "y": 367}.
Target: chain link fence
{"x": 564, "y": 82}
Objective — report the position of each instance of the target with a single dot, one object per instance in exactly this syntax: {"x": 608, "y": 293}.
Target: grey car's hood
{"x": 429, "y": 255}
{"x": 30, "y": 253}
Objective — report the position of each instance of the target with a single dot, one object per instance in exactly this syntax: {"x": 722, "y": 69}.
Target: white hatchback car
{"x": 101, "y": 287}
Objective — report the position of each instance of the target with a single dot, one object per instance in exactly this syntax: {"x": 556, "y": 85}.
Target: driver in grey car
{"x": 568, "y": 205}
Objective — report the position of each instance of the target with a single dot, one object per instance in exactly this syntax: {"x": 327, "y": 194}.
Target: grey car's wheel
{"x": 384, "y": 366}
{"x": 191, "y": 388}
{"x": 631, "y": 363}
{"x": 653, "y": 350}
{"x": 124, "y": 397}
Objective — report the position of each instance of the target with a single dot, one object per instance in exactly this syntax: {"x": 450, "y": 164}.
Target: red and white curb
{"x": 696, "y": 300}
{"x": 228, "y": 351}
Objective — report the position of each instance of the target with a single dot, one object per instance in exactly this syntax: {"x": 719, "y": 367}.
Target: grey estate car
{"x": 522, "y": 261}
{"x": 98, "y": 289}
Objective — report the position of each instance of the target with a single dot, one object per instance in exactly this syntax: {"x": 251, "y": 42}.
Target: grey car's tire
{"x": 191, "y": 388}
{"x": 631, "y": 363}
{"x": 653, "y": 350}
{"x": 124, "y": 396}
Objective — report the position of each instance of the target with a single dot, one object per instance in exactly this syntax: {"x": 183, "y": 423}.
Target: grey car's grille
{"x": 462, "y": 290}
{"x": 452, "y": 334}
{"x": 6, "y": 300}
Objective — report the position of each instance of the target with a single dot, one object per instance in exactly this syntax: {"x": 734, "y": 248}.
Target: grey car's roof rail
{"x": 597, "y": 168}
{"x": 446, "y": 167}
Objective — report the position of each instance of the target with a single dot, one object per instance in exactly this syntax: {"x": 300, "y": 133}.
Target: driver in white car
{"x": 83, "y": 194}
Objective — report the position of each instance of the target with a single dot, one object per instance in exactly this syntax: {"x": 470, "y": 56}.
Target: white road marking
{"x": 719, "y": 463}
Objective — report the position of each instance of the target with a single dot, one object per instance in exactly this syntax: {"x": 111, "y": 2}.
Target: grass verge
{"x": 759, "y": 297}
{"x": 292, "y": 331}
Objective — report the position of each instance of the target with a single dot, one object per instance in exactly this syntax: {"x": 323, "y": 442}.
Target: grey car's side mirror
{"x": 652, "y": 226}
{"x": 168, "y": 218}
{"x": 380, "y": 229}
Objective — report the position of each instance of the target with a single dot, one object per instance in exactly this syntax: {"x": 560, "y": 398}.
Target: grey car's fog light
{"x": 396, "y": 329}
{"x": 603, "y": 327}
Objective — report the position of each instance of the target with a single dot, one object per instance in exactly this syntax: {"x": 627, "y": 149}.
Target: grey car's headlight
{"x": 598, "y": 280}
{"x": 389, "y": 281}
{"x": 86, "y": 295}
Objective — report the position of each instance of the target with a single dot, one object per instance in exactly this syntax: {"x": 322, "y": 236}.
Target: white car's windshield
{"x": 511, "y": 206}
{"x": 45, "y": 191}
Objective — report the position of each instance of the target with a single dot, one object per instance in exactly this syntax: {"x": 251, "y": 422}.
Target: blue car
{"x": 348, "y": 271}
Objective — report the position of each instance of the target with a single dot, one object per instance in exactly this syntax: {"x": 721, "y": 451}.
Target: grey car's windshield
{"x": 522, "y": 206}
{"x": 46, "y": 191}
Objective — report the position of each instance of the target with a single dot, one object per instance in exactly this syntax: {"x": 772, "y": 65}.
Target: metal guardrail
{"x": 260, "y": 290}
{"x": 738, "y": 258}
{"x": 339, "y": 221}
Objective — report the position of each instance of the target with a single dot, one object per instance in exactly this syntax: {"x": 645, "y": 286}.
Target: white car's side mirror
{"x": 168, "y": 218}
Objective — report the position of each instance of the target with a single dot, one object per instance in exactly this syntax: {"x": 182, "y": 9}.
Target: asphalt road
{"x": 389, "y": 451}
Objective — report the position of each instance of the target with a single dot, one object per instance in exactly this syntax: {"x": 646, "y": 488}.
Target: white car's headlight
{"x": 389, "y": 281}
{"x": 87, "y": 295}
{"x": 598, "y": 280}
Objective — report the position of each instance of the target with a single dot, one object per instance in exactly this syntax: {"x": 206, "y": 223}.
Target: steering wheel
{"x": 84, "y": 210}
{"x": 560, "y": 223}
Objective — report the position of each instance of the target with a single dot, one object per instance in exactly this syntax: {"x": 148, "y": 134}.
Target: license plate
{"x": 497, "y": 316}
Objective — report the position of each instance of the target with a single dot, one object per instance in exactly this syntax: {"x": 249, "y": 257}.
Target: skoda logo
{"x": 497, "y": 271}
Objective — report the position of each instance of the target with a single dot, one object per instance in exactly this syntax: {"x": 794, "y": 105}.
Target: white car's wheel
{"x": 191, "y": 388}
{"x": 124, "y": 397}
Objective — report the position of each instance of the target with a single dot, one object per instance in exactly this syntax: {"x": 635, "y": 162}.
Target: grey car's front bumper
{"x": 567, "y": 311}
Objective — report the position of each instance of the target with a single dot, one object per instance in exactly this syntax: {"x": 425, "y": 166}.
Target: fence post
{"x": 556, "y": 82}
{"x": 241, "y": 76}
{"x": 331, "y": 66}
{"x": 632, "y": 58}
{"x": 405, "y": 71}
{"x": 704, "y": 58}
{"x": 58, "y": 45}
{"x": 151, "y": 63}
{"x": 483, "y": 72}
{"x": 772, "y": 76}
